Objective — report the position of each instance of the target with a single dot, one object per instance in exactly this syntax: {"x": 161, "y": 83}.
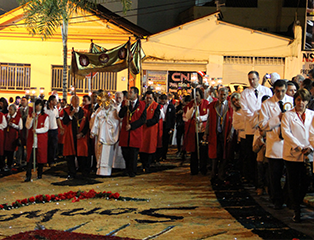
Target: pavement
{"x": 189, "y": 206}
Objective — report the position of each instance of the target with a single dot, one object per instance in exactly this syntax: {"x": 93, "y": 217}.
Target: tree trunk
{"x": 64, "y": 30}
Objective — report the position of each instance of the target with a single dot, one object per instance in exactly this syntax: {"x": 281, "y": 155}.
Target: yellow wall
{"x": 42, "y": 55}
{"x": 18, "y": 46}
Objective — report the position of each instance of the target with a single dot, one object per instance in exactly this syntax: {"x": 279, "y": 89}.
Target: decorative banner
{"x": 181, "y": 81}
{"x": 103, "y": 60}
{"x": 136, "y": 56}
{"x": 113, "y": 60}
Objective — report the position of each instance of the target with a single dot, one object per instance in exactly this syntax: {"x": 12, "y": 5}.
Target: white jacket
{"x": 269, "y": 121}
{"x": 251, "y": 104}
{"x": 238, "y": 123}
{"x": 295, "y": 134}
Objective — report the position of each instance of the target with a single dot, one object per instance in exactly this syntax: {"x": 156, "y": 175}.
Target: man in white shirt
{"x": 251, "y": 101}
{"x": 270, "y": 117}
{"x": 24, "y": 111}
{"x": 54, "y": 122}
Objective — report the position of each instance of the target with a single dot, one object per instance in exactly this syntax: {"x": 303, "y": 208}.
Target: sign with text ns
{"x": 180, "y": 80}
{"x": 307, "y": 63}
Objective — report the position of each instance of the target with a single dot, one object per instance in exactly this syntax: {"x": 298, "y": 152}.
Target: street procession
{"x": 115, "y": 127}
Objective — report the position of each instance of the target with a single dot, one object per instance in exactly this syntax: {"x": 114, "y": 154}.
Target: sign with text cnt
{"x": 180, "y": 80}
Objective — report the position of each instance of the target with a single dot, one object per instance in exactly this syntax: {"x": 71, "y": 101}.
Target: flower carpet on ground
{"x": 60, "y": 235}
{"x": 75, "y": 196}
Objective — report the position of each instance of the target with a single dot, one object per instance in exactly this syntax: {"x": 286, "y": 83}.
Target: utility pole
{"x": 218, "y": 5}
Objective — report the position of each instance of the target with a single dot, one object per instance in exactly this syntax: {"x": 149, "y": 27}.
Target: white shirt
{"x": 18, "y": 126}
{"x": 3, "y": 125}
{"x": 45, "y": 128}
{"x": 270, "y": 121}
{"x": 207, "y": 93}
{"x": 134, "y": 103}
{"x": 164, "y": 110}
{"x": 200, "y": 118}
{"x": 250, "y": 104}
{"x": 238, "y": 123}
{"x": 53, "y": 116}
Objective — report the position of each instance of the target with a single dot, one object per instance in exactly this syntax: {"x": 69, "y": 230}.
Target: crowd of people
{"x": 265, "y": 133}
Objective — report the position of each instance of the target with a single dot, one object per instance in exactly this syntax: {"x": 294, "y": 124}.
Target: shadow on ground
{"x": 242, "y": 206}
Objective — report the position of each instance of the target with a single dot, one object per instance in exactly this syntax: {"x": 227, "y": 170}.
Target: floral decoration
{"x": 75, "y": 196}
{"x": 59, "y": 235}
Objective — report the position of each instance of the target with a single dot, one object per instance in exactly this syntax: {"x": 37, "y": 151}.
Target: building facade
{"x": 28, "y": 61}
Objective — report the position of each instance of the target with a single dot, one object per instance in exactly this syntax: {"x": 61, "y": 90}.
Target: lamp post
{"x": 72, "y": 90}
{"x": 42, "y": 93}
{"x": 194, "y": 83}
{"x": 213, "y": 82}
{"x": 205, "y": 79}
{"x": 27, "y": 91}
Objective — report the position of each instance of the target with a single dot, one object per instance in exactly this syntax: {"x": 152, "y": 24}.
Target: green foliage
{"x": 43, "y": 17}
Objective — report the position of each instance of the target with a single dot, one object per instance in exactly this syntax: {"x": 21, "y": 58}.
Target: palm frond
{"x": 44, "y": 17}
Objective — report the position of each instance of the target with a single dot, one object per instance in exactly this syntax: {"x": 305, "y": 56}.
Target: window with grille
{"x": 106, "y": 81}
{"x": 236, "y": 68}
{"x": 254, "y": 60}
{"x": 15, "y": 76}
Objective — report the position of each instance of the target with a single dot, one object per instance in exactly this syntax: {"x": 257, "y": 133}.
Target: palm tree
{"x": 43, "y": 17}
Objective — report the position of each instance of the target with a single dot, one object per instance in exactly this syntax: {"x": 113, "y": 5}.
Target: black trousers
{"x": 146, "y": 159}
{"x": 52, "y": 145}
{"x": 9, "y": 155}
{"x": 200, "y": 164}
{"x": 83, "y": 164}
{"x": 220, "y": 163}
{"x": 165, "y": 141}
{"x": 91, "y": 152}
{"x": 276, "y": 167}
{"x": 298, "y": 179}
{"x": 2, "y": 162}
{"x": 249, "y": 162}
{"x": 158, "y": 154}
{"x": 130, "y": 155}
{"x": 60, "y": 150}
{"x": 29, "y": 167}
{"x": 180, "y": 133}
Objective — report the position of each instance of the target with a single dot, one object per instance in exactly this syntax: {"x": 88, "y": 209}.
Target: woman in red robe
{"x": 11, "y": 133}
{"x": 37, "y": 124}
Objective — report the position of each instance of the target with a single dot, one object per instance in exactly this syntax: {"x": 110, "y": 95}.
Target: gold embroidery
{"x": 221, "y": 116}
{"x": 131, "y": 114}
